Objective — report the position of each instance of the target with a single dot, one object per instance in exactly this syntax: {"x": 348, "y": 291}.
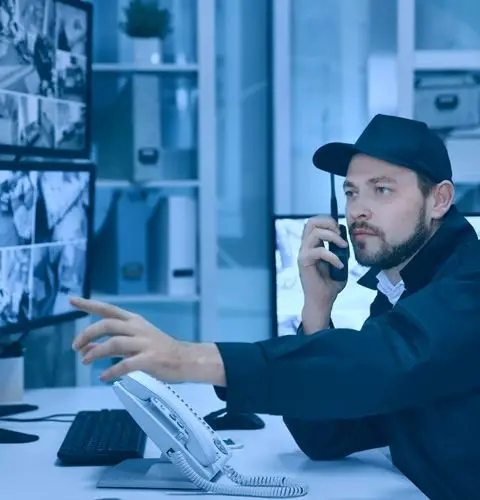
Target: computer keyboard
{"x": 104, "y": 437}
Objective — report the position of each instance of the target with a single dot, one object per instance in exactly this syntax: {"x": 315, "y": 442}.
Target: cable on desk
{"x": 49, "y": 418}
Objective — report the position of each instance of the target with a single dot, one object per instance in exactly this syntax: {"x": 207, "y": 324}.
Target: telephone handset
{"x": 343, "y": 253}
{"x": 189, "y": 443}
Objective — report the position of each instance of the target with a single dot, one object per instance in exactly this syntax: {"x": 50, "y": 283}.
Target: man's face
{"x": 386, "y": 212}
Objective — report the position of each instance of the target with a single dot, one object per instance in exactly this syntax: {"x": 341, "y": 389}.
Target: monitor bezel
{"x": 85, "y": 152}
{"x": 89, "y": 167}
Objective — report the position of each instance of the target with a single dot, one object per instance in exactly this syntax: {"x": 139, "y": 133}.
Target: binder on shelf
{"x": 146, "y": 132}
{"x": 164, "y": 134}
{"x": 172, "y": 246}
{"x": 119, "y": 247}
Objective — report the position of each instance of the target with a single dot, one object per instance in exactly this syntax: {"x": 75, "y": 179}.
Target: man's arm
{"x": 316, "y": 317}
{"x": 334, "y": 439}
{"x": 425, "y": 349}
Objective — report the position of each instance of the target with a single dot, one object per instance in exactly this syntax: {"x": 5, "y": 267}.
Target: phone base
{"x": 145, "y": 473}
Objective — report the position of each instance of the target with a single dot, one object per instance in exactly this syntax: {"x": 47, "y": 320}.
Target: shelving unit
{"x": 204, "y": 185}
{"x": 463, "y": 145}
{"x": 411, "y": 60}
{"x": 147, "y": 68}
{"x": 167, "y": 184}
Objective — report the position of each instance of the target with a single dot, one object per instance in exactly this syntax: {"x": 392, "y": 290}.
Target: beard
{"x": 390, "y": 256}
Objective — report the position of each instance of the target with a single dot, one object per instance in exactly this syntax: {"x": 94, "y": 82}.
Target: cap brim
{"x": 334, "y": 157}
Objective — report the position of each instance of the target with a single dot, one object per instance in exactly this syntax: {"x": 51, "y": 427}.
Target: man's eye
{"x": 383, "y": 189}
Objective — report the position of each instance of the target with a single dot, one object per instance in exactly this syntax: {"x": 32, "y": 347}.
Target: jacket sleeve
{"x": 425, "y": 349}
{"x": 334, "y": 439}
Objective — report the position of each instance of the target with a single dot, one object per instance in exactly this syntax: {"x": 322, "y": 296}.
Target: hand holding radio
{"x": 315, "y": 260}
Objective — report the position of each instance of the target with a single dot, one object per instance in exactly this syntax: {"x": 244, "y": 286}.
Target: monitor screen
{"x": 351, "y": 308}
{"x": 45, "y": 77}
{"x": 45, "y": 229}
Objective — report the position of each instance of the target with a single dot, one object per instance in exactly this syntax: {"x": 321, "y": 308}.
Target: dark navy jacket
{"x": 409, "y": 379}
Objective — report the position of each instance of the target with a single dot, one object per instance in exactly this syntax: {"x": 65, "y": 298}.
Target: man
{"x": 410, "y": 378}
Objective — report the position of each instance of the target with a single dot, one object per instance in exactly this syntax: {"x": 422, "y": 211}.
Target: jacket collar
{"x": 454, "y": 231}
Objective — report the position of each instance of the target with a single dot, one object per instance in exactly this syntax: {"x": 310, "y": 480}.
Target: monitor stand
{"x": 11, "y": 393}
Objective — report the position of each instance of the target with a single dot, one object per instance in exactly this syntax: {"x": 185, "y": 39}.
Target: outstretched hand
{"x": 142, "y": 346}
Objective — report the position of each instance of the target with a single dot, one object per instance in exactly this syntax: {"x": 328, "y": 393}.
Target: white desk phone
{"x": 193, "y": 455}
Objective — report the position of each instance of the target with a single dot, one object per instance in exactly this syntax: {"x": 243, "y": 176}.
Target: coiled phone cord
{"x": 255, "y": 486}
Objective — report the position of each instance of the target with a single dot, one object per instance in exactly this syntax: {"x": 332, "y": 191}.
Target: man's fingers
{"x": 100, "y": 329}
{"x": 87, "y": 349}
{"x": 101, "y": 308}
{"x": 319, "y": 254}
{"x": 123, "y": 367}
{"x": 322, "y": 222}
{"x": 115, "y": 346}
{"x": 319, "y": 235}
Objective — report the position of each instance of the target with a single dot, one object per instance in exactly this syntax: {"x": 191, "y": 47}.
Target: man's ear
{"x": 443, "y": 195}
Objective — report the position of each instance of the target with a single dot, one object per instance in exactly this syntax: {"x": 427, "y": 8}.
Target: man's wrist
{"x": 316, "y": 316}
{"x": 201, "y": 363}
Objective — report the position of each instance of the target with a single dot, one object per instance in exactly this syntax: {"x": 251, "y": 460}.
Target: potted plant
{"x": 147, "y": 25}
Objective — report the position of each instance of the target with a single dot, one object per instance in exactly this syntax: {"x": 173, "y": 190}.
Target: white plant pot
{"x": 147, "y": 50}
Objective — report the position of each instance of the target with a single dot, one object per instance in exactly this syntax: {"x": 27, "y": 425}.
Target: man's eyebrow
{"x": 382, "y": 178}
{"x": 373, "y": 180}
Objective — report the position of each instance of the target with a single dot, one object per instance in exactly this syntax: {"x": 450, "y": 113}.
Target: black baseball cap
{"x": 400, "y": 141}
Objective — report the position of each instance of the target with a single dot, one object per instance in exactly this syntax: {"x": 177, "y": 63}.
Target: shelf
{"x": 143, "y": 68}
{"x": 113, "y": 183}
{"x": 441, "y": 60}
{"x": 146, "y": 298}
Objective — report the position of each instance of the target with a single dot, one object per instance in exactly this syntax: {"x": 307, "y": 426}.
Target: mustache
{"x": 365, "y": 227}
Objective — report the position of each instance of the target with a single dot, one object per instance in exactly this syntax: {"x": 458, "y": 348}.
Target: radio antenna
{"x": 333, "y": 199}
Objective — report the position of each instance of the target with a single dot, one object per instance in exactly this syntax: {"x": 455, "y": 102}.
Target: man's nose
{"x": 359, "y": 210}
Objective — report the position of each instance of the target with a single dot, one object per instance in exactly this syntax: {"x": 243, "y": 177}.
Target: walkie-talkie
{"x": 343, "y": 253}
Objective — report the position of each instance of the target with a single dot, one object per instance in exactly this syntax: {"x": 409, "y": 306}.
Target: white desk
{"x": 29, "y": 471}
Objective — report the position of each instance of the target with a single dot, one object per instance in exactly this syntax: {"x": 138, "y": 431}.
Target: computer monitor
{"x": 45, "y": 77}
{"x": 46, "y": 215}
{"x": 45, "y": 235}
{"x": 351, "y": 308}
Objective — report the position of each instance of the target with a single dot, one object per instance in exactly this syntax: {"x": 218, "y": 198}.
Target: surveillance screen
{"x": 43, "y": 242}
{"x": 43, "y": 74}
{"x": 352, "y": 305}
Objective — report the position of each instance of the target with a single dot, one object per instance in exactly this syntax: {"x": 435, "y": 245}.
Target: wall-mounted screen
{"x": 45, "y": 77}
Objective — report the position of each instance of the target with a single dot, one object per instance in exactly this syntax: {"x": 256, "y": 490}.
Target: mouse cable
{"x": 49, "y": 418}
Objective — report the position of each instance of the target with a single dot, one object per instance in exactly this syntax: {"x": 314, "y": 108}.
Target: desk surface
{"x": 30, "y": 471}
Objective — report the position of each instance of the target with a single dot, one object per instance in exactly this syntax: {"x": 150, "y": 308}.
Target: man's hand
{"x": 314, "y": 261}
{"x": 144, "y": 347}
